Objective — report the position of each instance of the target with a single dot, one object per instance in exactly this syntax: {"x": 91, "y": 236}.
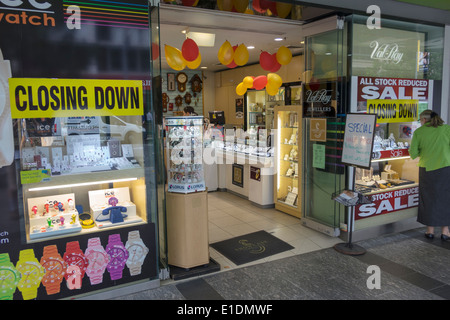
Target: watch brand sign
{"x": 387, "y": 202}
{"x": 52, "y": 98}
{"x": 27, "y": 12}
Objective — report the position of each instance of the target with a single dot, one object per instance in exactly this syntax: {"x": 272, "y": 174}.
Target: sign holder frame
{"x": 349, "y": 248}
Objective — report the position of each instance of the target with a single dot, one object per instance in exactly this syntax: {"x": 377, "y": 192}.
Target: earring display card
{"x": 114, "y": 148}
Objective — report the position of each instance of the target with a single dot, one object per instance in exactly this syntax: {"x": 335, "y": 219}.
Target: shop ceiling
{"x": 257, "y": 31}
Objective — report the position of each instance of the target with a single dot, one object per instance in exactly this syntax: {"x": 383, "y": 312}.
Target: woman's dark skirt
{"x": 434, "y": 197}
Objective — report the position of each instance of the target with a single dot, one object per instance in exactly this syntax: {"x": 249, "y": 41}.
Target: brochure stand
{"x": 350, "y": 198}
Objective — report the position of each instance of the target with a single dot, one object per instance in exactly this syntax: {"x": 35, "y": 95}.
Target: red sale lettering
{"x": 387, "y": 202}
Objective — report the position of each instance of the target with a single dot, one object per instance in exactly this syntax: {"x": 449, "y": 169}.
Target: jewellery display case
{"x": 64, "y": 162}
{"x": 288, "y": 155}
{"x": 184, "y": 143}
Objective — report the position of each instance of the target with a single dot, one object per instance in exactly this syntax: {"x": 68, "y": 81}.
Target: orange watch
{"x": 55, "y": 269}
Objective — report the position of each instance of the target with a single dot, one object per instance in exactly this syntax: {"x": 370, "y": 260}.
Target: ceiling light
{"x": 82, "y": 184}
{"x": 328, "y": 53}
{"x": 251, "y": 47}
{"x": 278, "y": 39}
{"x": 202, "y": 39}
{"x": 203, "y": 67}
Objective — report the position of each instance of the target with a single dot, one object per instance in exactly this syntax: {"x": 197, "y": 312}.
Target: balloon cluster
{"x": 232, "y": 56}
{"x": 273, "y": 62}
{"x": 272, "y": 82}
{"x": 233, "y": 5}
{"x": 189, "y": 56}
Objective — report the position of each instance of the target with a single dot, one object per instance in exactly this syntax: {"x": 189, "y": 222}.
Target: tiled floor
{"x": 231, "y": 216}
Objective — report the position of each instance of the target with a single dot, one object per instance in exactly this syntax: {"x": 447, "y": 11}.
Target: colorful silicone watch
{"x": 98, "y": 259}
{"x": 74, "y": 256}
{"x": 137, "y": 252}
{"x": 9, "y": 277}
{"x": 32, "y": 273}
{"x": 55, "y": 269}
{"x": 118, "y": 256}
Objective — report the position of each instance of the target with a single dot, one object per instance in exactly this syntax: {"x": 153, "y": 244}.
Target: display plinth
{"x": 187, "y": 229}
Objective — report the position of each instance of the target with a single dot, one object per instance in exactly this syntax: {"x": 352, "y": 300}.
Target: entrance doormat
{"x": 251, "y": 247}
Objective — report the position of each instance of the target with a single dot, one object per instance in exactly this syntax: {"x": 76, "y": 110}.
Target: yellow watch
{"x": 32, "y": 273}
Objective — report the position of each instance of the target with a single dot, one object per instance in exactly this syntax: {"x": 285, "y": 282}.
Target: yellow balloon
{"x": 248, "y": 82}
{"x": 241, "y": 55}
{"x": 271, "y": 90}
{"x": 274, "y": 80}
{"x": 241, "y": 89}
{"x": 283, "y": 9}
{"x": 174, "y": 58}
{"x": 226, "y": 53}
{"x": 225, "y": 5}
{"x": 194, "y": 64}
{"x": 240, "y": 5}
{"x": 284, "y": 55}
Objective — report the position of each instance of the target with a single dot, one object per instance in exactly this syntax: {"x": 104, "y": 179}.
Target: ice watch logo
{"x": 27, "y": 12}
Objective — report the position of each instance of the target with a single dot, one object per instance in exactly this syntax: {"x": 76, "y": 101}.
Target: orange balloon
{"x": 196, "y": 63}
{"x": 225, "y": 5}
{"x": 283, "y": 9}
{"x": 174, "y": 58}
{"x": 241, "y": 55}
{"x": 240, "y": 5}
{"x": 226, "y": 53}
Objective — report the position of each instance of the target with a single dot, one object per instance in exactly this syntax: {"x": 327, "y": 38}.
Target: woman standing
{"x": 431, "y": 142}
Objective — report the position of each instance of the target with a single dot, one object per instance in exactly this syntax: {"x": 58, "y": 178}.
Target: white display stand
{"x": 98, "y": 201}
{"x": 45, "y": 224}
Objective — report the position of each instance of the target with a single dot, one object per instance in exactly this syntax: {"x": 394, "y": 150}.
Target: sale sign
{"x": 387, "y": 202}
{"x": 391, "y": 99}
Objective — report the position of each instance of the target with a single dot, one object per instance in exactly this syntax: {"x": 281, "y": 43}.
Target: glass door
{"x": 157, "y": 130}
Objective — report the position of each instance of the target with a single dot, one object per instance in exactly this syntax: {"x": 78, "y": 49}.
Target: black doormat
{"x": 251, "y": 247}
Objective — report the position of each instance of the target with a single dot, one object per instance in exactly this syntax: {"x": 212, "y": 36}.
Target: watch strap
{"x": 135, "y": 270}
{"x": 92, "y": 242}
{"x": 29, "y": 293}
{"x": 73, "y": 247}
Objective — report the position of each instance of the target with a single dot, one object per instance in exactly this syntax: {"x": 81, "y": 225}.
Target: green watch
{"x": 9, "y": 277}
{"x": 32, "y": 274}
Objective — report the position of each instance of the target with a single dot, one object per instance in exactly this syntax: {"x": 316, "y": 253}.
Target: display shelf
{"x": 287, "y": 193}
{"x": 185, "y": 150}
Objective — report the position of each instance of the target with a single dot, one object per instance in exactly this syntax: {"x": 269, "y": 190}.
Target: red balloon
{"x": 266, "y": 60}
{"x": 265, "y": 4}
{"x": 276, "y": 64}
{"x": 233, "y": 64}
{"x": 259, "y": 82}
{"x": 273, "y": 7}
{"x": 188, "y": 3}
{"x": 257, "y": 6}
{"x": 155, "y": 51}
{"x": 189, "y": 50}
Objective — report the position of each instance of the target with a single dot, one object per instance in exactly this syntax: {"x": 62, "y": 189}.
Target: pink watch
{"x": 98, "y": 260}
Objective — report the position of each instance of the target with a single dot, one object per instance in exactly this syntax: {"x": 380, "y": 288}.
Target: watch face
{"x": 118, "y": 256}
{"x": 77, "y": 260}
{"x": 136, "y": 251}
{"x": 97, "y": 260}
{"x": 8, "y": 279}
{"x": 32, "y": 274}
{"x": 54, "y": 269}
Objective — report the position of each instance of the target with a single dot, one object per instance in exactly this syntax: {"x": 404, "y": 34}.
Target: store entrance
{"x": 242, "y": 194}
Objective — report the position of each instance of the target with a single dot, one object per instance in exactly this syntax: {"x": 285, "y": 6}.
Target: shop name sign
{"x": 321, "y": 96}
{"x": 27, "y": 12}
{"x": 387, "y": 202}
{"x": 318, "y": 99}
{"x": 385, "y": 52}
{"x": 52, "y": 98}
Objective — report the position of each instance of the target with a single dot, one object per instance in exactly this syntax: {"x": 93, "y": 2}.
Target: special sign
{"x": 387, "y": 202}
{"x": 392, "y": 99}
{"x": 52, "y": 98}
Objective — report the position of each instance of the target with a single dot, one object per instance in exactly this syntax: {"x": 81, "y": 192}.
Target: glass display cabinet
{"x": 81, "y": 174}
{"x": 288, "y": 154}
{"x": 184, "y": 144}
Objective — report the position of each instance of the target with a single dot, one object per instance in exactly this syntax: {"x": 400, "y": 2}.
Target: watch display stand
{"x": 112, "y": 207}
{"x": 185, "y": 154}
{"x": 52, "y": 215}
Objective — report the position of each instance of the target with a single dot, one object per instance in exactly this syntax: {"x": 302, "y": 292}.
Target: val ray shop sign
{"x": 52, "y": 98}
{"x": 391, "y": 99}
{"x": 387, "y": 202}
